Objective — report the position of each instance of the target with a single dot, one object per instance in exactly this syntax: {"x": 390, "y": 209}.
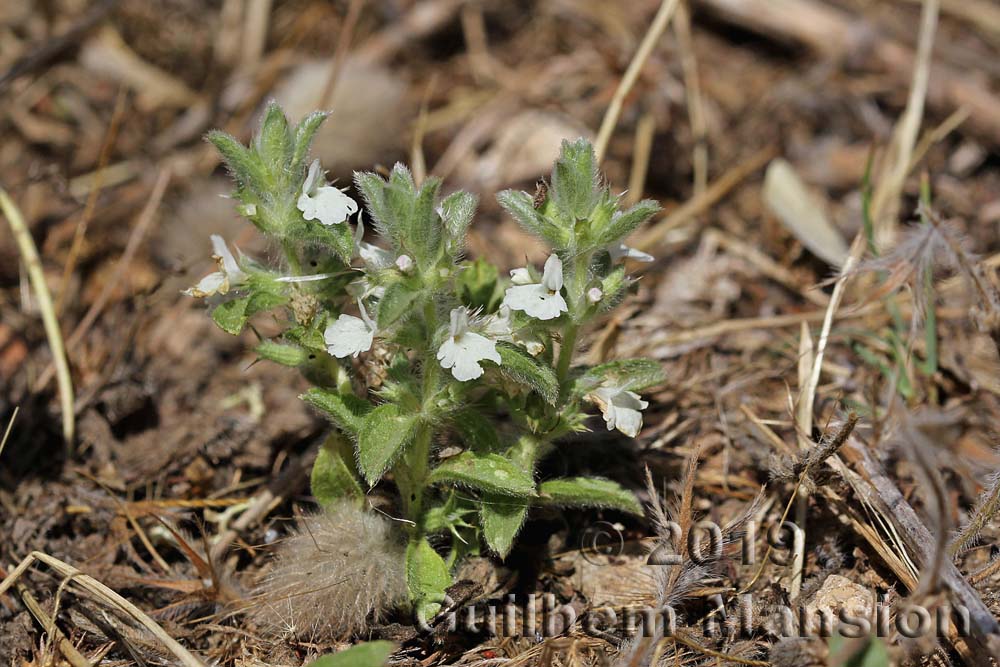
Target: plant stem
{"x": 292, "y": 256}
{"x": 566, "y": 349}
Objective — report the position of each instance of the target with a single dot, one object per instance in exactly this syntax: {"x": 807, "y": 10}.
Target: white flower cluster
{"x": 470, "y": 341}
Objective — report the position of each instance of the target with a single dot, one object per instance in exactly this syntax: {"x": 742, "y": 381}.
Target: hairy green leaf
{"x": 424, "y": 231}
{"x": 304, "y": 133}
{"x": 624, "y": 223}
{"x": 635, "y": 374}
{"x": 383, "y": 435}
{"x": 368, "y": 654}
{"x": 524, "y": 369}
{"x": 231, "y": 316}
{"x": 574, "y": 187}
{"x": 589, "y": 492}
{"x": 457, "y": 210}
{"x": 476, "y": 431}
{"x": 487, "y": 472}
{"x": 427, "y": 578}
{"x": 333, "y": 475}
{"x": 282, "y": 353}
{"x": 479, "y": 286}
{"x": 243, "y": 164}
{"x": 521, "y": 207}
{"x": 346, "y": 411}
{"x": 501, "y": 518}
{"x": 339, "y": 238}
{"x": 397, "y": 302}
{"x": 275, "y": 144}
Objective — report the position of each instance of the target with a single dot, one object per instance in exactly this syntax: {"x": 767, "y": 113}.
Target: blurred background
{"x": 105, "y": 104}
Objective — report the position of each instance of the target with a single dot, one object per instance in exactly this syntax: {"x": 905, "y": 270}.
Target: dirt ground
{"x": 189, "y": 460}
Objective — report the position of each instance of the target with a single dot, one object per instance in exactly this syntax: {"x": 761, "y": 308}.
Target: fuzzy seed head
{"x": 338, "y": 571}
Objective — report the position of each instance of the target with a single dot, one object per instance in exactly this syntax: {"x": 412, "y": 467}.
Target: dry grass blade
{"x": 73, "y": 656}
{"x": 610, "y": 120}
{"x": 36, "y": 275}
{"x": 107, "y": 596}
{"x": 10, "y": 427}
{"x": 885, "y": 200}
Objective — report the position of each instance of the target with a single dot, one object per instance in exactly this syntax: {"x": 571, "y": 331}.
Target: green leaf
{"x": 521, "y": 207}
{"x": 304, "y": 133}
{"x": 282, "y": 353}
{"x": 368, "y": 654}
{"x": 624, "y": 223}
{"x": 383, "y": 435}
{"x": 613, "y": 287}
{"x": 400, "y": 193}
{"x": 231, "y": 316}
{"x": 261, "y": 301}
{"x": 339, "y": 238}
{"x": 346, "y": 411}
{"x": 244, "y": 165}
{"x": 574, "y": 187}
{"x": 842, "y": 653}
{"x": 501, "y": 518}
{"x": 476, "y": 431}
{"x": 635, "y": 374}
{"x": 521, "y": 367}
{"x": 589, "y": 492}
{"x": 424, "y": 229}
{"x": 275, "y": 143}
{"x": 457, "y": 210}
{"x": 333, "y": 475}
{"x": 372, "y": 189}
{"x": 397, "y": 302}
{"x": 487, "y": 472}
{"x": 478, "y": 285}
{"x": 427, "y": 578}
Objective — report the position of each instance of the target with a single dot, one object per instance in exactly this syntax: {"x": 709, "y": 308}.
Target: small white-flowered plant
{"x": 229, "y": 275}
{"x": 466, "y": 359}
{"x": 541, "y": 300}
{"x": 349, "y": 336}
{"x": 464, "y": 349}
{"x": 323, "y": 202}
{"x": 622, "y": 409}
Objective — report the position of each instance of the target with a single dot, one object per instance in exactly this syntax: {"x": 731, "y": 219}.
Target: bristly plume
{"x": 987, "y": 507}
{"x": 338, "y": 571}
{"x": 785, "y": 468}
{"x": 922, "y": 250}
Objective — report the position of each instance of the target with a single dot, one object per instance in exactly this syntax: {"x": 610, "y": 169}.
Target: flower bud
{"x": 594, "y": 295}
{"x": 404, "y": 263}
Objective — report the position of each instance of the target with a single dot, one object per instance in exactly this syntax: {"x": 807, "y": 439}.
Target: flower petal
{"x": 623, "y": 251}
{"x": 329, "y": 205}
{"x": 536, "y": 301}
{"x": 552, "y": 275}
{"x": 348, "y": 336}
{"x": 463, "y": 354}
{"x": 213, "y": 283}
{"x": 520, "y": 276}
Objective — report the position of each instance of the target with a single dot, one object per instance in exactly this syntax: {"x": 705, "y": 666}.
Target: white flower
{"x": 594, "y": 295}
{"x": 349, "y": 336}
{"x": 404, "y": 263}
{"x": 374, "y": 258}
{"x": 542, "y": 300}
{"x": 623, "y": 251}
{"x": 463, "y": 350}
{"x": 520, "y": 276}
{"x": 323, "y": 202}
{"x": 621, "y": 408}
{"x": 500, "y": 327}
{"x": 228, "y": 276}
